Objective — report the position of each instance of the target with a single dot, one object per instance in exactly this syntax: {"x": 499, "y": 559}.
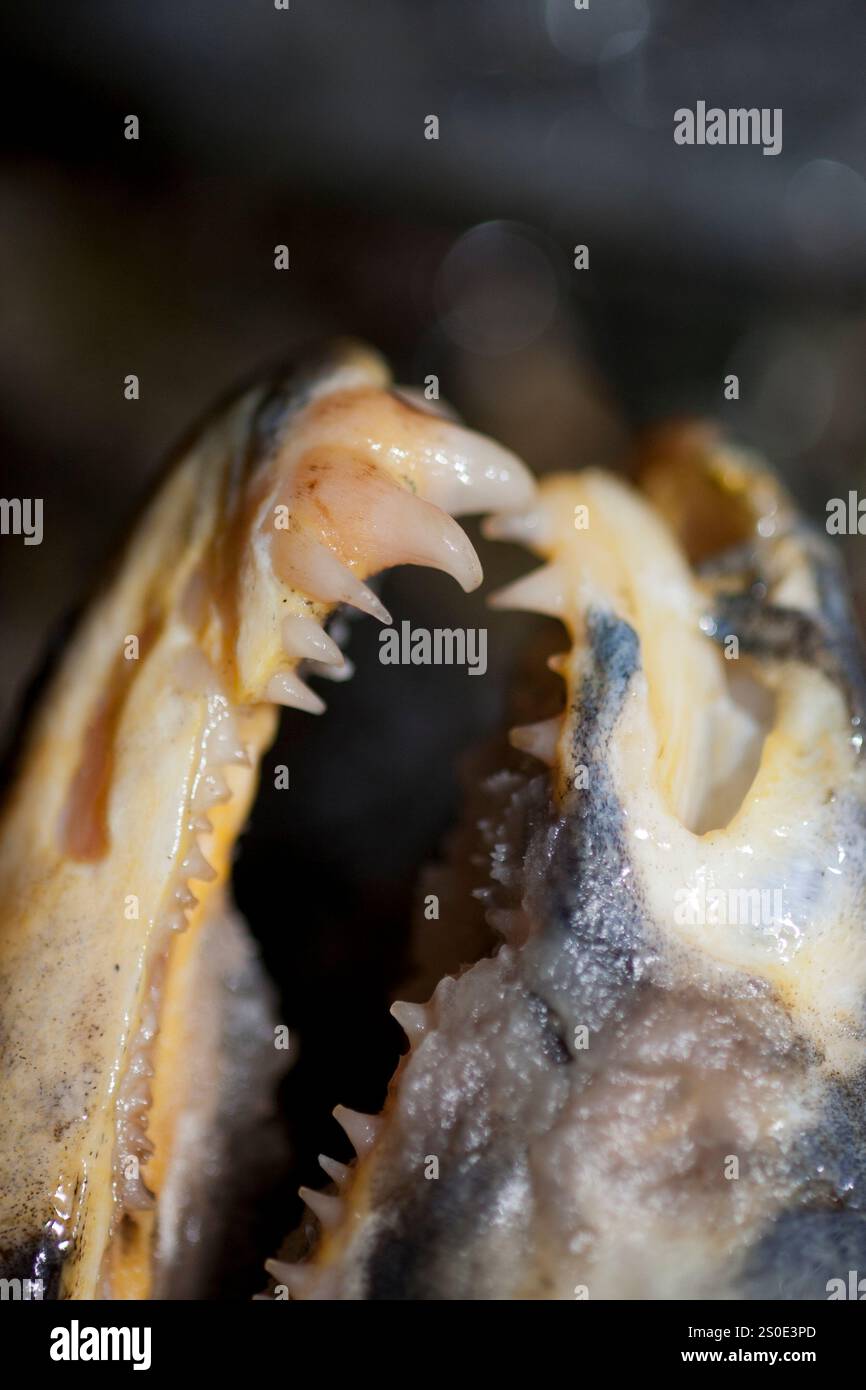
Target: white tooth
{"x": 196, "y": 866}
{"x": 184, "y": 897}
{"x": 306, "y": 640}
{"x": 224, "y": 745}
{"x": 542, "y": 591}
{"x": 530, "y": 528}
{"x": 297, "y": 1278}
{"x": 412, "y": 1018}
{"x": 360, "y": 595}
{"x": 328, "y": 1209}
{"x": 343, "y": 672}
{"x": 361, "y": 1130}
{"x": 285, "y": 688}
{"x": 174, "y": 921}
{"x": 314, "y": 570}
{"x": 212, "y": 790}
{"x": 200, "y": 825}
{"x": 539, "y": 739}
{"x": 465, "y": 472}
{"x": 397, "y": 527}
{"x": 337, "y": 1172}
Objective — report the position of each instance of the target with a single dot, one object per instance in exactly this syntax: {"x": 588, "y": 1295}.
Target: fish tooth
{"x": 196, "y": 866}
{"x": 398, "y": 527}
{"x": 285, "y": 688}
{"x": 538, "y": 739}
{"x": 361, "y": 1130}
{"x": 364, "y": 513}
{"x": 175, "y": 921}
{"x": 343, "y": 672}
{"x": 200, "y": 825}
{"x": 297, "y": 1278}
{"x": 212, "y": 790}
{"x": 412, "y": 1018}
{"x": 541, "y": 591}
{"x": 530, "y": 528}
{"x": 306, "y": 640}
{"x": 336, "y": 1171}
{"x": 307, "y": 565}
{"x": 184, "y": 897}
{"x": 328, "y": 1209}
{"x": 463, "y": 472}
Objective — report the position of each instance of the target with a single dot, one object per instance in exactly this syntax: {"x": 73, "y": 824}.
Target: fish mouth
{"x": 598, "y": 1043}
{"x": 124, "y": 972}
{"x": 669, "y": 994}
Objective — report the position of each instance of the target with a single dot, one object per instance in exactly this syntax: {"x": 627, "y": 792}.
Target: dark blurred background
{"x": 306, "y": 127}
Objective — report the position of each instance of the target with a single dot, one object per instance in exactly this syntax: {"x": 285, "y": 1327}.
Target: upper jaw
{"x": 142, "y": 763}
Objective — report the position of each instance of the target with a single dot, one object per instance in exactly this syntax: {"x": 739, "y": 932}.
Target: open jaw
{"x": 125, "y": 974}
{"x": 653, "y": 1084}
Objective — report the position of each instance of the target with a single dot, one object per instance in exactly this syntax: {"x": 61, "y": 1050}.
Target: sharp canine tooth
{"x": 538, "y": 739}
{"x": 398, "y": 527}
{"x": 361, "y": 1130}
{"x": 306, "y": 640}
{"x": 328, "y": 1209}
{"x": 200, "y": 825}
{"x": 184, "y": 898}
{"x": 362, "y": 513}
{"x": 310, "y": 567}
{"x": 464, "y": 472}
{"x": 285, "y": 688}
{"x": 412, "y": 1018}
{"x": 538, "y": 592}
{"x": 337, "y": 1172}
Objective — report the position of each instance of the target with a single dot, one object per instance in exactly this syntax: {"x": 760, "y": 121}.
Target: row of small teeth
{"x": 542, "y": 591}
{"x": 305, "y": 640}
{"x": 362, "y": 1132}
{"x": 223, "y": 749}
